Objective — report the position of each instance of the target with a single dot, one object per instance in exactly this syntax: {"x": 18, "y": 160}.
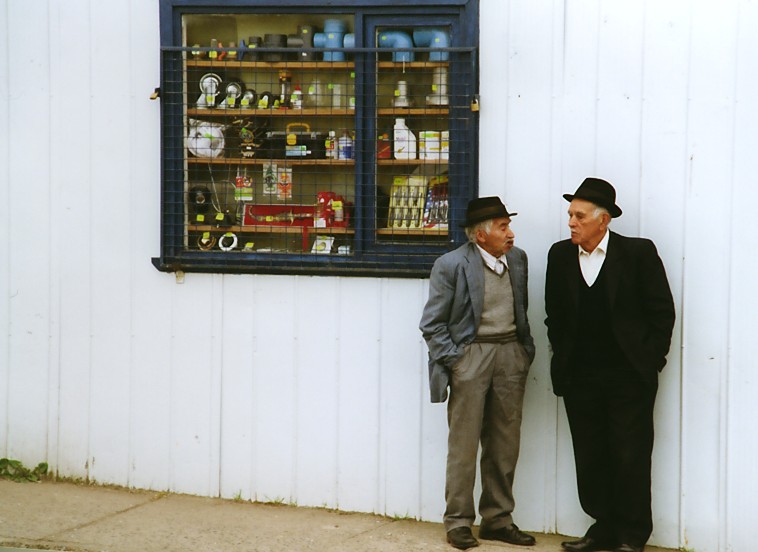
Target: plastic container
{"x": 404, "y": 141}
{"x": 345, "y": 146}
{"x": 331, "y": 145}
{"x": 316, "y": 96}
{"x": 296, "y": 101}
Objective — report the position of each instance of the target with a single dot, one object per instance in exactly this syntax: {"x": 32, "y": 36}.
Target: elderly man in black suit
{"x": 610, "y": 316}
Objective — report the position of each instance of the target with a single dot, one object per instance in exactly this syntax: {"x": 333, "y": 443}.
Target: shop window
{"x": 316, "y": 140}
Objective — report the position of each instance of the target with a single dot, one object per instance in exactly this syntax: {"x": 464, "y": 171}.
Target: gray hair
{"x": 599, "y": 211}
{"x": 485, "y": 226}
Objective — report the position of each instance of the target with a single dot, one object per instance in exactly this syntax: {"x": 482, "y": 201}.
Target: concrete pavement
{"x": 68, "y": 517}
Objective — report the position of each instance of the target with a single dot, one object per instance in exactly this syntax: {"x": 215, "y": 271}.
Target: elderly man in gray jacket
{"x": 480, "y": 346}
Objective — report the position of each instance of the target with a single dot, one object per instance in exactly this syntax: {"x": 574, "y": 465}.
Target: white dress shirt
{"x": 496, "y": 264}
{"x": 591, "y": 263}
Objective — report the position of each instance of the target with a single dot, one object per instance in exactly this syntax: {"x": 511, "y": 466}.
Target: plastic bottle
{"x": 345, "y": 146}
{"x": 331, "y": 145}
{"x": 297, "y": 98}
{"x": 404, "y": 141}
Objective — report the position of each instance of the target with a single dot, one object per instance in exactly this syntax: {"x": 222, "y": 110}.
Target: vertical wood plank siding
{"x": 312, "y": 390}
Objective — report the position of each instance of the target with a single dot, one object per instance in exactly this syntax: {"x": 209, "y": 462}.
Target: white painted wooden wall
{"x": 312, "y": 390}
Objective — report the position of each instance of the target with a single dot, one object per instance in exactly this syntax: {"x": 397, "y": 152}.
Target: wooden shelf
{"x": 269, "y": 229}
{"x": 234, "y": 63}
{"x": 412, "y": 231}
{"x": 404, "y": 111}
{"x": 287, "y": 162}
{"x": 282, "y": 112}
{"x": 411, "y": 162}
{"x": 411, "y": 64}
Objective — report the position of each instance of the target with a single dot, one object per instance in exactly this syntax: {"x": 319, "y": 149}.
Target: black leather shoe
{"x": 628, "y": 548}
{"x": 511, "y": 535}
{"x": 587, "y": 544}
{"x": 462, "y": 538}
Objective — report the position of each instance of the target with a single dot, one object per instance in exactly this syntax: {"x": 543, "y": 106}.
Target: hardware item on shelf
{"x": 439, "y": 88}
{"x": 383, "y": 146}
{"x": 206, "y": 241}
{"x": 265, "y": 100}
{"x": 401, "y": 95}
{"x": 228, "y": 241}
{"x": 407, "y": 202}
{"x": 197, "y": 54}
{"x": 345, "y": 146}
{"x": 284, "y": 184}
{"x": 253, "y": 43}
{"x": 335, "y": 89}
{"x": 305, "y": 32}
{"x": 433, "y": 37}
{"x": 249, "y": 99}
{"x": 285, "y": 88}
{"x": 436, "y": 208}
{"x": 210, "y": 86}
{"x": 277, "y": 181}
{"x": 270, "y": 178}
{"x": 251, "y": 138}
{"x": 316, "y": 95}
{"x": 205, "y": 139}
{"x": 199, "y": 199}
{"x": 296, "y": 99}
{"x": 334, "y": 36}
{"x": 322, "y": 245}
{"x": 330, "y": 145}
{"x": 297, "y": 141}
{"x": 400, "y": 40}
{"x": 278, "y": 215}
{"x": 243, "y": 188}
{"x": 404, "y": 141}
{"x": 233, "y": 92}
{"x": 225, "y": 219}
{"x": 434, "y": 144}
{"x": 274, "y": 41}
{"x": 331, "y": 210}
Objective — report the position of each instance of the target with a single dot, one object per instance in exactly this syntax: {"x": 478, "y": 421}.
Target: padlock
{"x": 475, "y": 103}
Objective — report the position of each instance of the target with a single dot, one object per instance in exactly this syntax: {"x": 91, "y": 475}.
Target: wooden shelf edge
{"x": 412, "y": 231}
{"x": 236, "y": 63}
{"x": 269, "y": 229}
{"x": 285, "y": 162}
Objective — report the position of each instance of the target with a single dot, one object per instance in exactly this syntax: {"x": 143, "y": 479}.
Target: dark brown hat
{"x": 485, "y": 208}
{"x": 599, "y": 192}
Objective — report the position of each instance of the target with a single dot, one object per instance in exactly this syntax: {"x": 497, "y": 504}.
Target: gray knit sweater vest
{"x": 498, "y": 313}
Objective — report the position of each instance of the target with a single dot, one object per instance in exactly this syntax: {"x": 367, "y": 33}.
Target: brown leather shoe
{"x": 462, "y": 538}
{"x": 587, "y": 544}
{"x": 511, "y": 535}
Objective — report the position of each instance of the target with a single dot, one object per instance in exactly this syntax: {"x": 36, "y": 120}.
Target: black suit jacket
{"x": 639, "y": 300}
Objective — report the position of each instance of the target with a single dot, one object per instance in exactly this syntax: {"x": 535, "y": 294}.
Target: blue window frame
{"x": 333, "y": 138}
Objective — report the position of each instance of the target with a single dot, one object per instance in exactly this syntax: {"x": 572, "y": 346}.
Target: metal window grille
{"x": 348, "y": 161}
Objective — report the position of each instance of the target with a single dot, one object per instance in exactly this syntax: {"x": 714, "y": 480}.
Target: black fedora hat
{"x": 599, "y": 192}
{"x": 484, "y": 208}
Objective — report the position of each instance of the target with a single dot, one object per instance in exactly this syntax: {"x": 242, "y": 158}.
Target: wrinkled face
{"x": 500, "y": 238}
{"x": 587, "y": 228}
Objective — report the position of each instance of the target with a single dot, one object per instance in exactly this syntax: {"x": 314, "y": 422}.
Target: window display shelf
{"x": 270, "y": 112}
{"x": 271, "y": 65}
{"x": 271, "y": 228}
{"x": 411, "y": 162}
{"x": 284, "y": 162}
{"x": 335, "y": 139}
{"x": 412, "y": 231}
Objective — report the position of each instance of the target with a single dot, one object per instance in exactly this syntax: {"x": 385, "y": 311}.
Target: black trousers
{"x": 611, "y": 422}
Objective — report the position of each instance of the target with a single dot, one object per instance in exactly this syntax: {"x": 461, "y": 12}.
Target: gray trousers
{"x": 486, "y": 396}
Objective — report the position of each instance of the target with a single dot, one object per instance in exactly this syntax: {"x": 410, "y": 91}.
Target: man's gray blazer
{"x": 454, "y": 309}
